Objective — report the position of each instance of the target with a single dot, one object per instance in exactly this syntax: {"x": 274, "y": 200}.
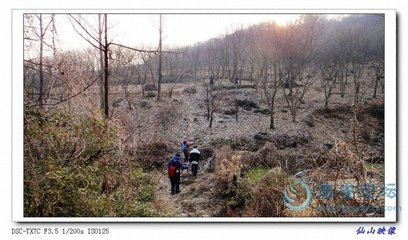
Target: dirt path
{"x": 196, "y": 192}
{"x": 192, "y": 113}
{"x": 194, "y": 198}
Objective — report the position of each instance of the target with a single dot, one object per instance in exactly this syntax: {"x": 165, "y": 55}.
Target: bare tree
{"x": 212, "y": 104}
{"x": 173, "y": 68}
{"x": 379, "y": 77}
{"x": 105, "y": 48}
{"x": 297, "y": 44}
{"x": 125, "y": 70}
{"x": 271, "y": 84}
{"x": 160, "y": 53}
{"x": 37, "y": 30}
{"x": 337, "y": 50}
{"x": 75, "y": 73}
{"x": 84, "y": 29}
{"x": 270, "y": 72}
{"x": 147, "y": 68}
{"x": 101, "y": 62}
{"x": 329, "y": 74}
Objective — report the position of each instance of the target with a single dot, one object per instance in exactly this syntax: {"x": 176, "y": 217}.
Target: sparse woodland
{"x": 300, "y": 101}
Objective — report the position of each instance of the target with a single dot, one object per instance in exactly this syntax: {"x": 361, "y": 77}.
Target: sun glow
{"x": 179, "y": 29}
{"x": 285, "y": 19}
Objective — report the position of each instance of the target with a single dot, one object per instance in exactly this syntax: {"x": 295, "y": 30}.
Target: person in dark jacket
{"x": 184, "y": 149}
{"x": 194, "y": 160}
{"x": 176, "y": 165}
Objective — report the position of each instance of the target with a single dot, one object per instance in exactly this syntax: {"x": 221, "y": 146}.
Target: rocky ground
{"x": 184, "y": 116}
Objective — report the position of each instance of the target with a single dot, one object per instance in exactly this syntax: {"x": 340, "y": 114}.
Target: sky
{"x": 178, "y": 29}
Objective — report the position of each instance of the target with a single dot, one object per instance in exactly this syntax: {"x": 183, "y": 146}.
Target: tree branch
{"x": 66, "y": 99}
{"x": 144, "y": 51}
{"x": 86, "y": 31}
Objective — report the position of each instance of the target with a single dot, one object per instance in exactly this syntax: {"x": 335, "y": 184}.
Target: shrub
{"x": 264, "y": 111}
{"x": 227, "y": 170}
{"x": 365, "y": 134}
{"x": 267, "y": 198}
{"x": 152, "y": 155}
{"x": 189, "y": 90}
{"x": 66, "y": 138}
{"x": 247, "y": 104}
{"x": 290, "y": 140}
{"x": 267, "y": 156}
{"x": 309, "y": 122}
{"x": 145, "y": 104}
{"x": 74, "y": 167}
{"x": 231, "y": 111}
{"x": 229, "y": 185}
{"x": 150, "y": 87}
{"x": 150, "y": 94}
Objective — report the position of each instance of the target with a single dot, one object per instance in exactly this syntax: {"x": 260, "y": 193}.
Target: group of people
{"x": 176, "y": 165}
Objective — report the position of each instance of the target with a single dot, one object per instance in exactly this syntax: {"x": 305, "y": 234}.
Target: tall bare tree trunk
{"x": 101, "y": 76}
{"x": 40, "y": 99}
{"x": 160, "y": 60}
{"x": 271, "y": 109}
{"x": 208, "y": 103}
{"x": 106, "y": 68}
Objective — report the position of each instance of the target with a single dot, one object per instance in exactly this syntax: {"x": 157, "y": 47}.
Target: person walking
{"x": 194, "y": 160}
{"x": 174, "y": 167}
{"x": 184, "y": 149}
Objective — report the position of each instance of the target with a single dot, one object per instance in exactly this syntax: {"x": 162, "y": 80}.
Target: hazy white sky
{"x": 179, "y": 29}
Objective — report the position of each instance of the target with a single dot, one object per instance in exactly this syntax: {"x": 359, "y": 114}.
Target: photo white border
{"x": 17, "y": 116}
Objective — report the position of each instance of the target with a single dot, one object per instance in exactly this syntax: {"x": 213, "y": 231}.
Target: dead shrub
{"x": 150, "y": 87}
{"x": 267, "y": 198}
{"x": 189, "y": 90}
{"x": 153, "y": 155}
{"x": 341, "y": 162}
{"x": 376, "y": 109}
{"x": 317, "y": 156}
{"x": 264, "y": 111}
{"x": 229, "y": 185}
{"x": 261, "y": 137}
{"x": 231, "y": 111}
{"x": 290, "y": 141}
{"x": 309, "y": 122}
{"x": 166, "y": 114}
{"x": 340, "y": 112}
{"x": 206, "y": 152}
{"x": 365, "y": 134}
{"x": 292, "y": 161}
{"x": 242, "y": 143}
{"x": 247, "y": 104}
{"x": 342, "y": 165}
{"x": 267, "y": 156}
{"x": 145, "y": 104}
{"x": 150, "y": 94}
{"x": 227, "y": 170}
{"x": 342, "y": 158}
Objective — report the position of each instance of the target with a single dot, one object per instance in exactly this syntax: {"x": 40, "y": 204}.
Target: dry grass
{"x": 267, "y": 156}
{"x": 267, "y": 200}
{"x": 227, "y": 170}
